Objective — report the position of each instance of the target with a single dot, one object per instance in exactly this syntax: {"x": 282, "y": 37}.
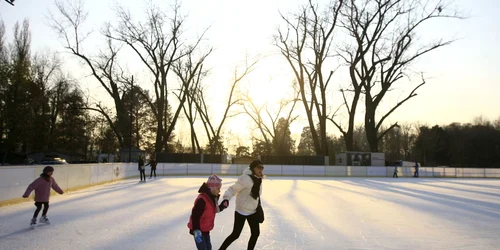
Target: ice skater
{"x": 153, "y": 164}
{"x": 142, "y": 168}
{"x": 416, "y": 170}
{"x": 247, "y": 189}
{"x": 202, "y": 218}
{"x": 42, "y": 186}
{"x": 395, "y": 175}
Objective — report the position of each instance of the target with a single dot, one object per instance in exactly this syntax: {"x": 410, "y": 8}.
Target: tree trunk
{"x": 370, "y": 129}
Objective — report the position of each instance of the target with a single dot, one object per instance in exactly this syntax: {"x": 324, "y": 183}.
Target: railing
{"x": 332, "y": 171}
{"x": 15, "y": 179}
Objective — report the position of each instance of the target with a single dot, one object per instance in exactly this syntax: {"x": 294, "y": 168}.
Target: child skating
{"x": 202, "y": 218}
{"x": 42, "y": 187}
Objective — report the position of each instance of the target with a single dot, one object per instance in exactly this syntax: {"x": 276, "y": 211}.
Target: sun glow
{"x": 265, "y": 87}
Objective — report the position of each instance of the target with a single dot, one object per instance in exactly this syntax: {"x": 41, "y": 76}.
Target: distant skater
{"x": 416, "y": 174}
{"x": 395, "y": 175}
{"x": 153, "y": 164}
{"x": 142, "y": 169}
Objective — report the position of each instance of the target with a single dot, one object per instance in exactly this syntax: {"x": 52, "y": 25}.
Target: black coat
{"x": 141, "y": 163}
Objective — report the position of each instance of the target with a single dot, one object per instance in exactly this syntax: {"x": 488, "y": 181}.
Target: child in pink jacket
{"x": 42, "y": 187}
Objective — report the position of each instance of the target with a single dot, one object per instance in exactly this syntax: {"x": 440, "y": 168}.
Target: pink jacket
{"x": 42, "y": 189}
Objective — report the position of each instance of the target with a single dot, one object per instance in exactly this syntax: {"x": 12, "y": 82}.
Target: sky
{"x": 462, "y": 79}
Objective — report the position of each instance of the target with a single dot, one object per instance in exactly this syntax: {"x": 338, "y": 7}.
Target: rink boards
{"x": 15, "y": 179}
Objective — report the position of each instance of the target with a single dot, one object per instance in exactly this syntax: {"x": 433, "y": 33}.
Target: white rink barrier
{"x": 15, "y": 179}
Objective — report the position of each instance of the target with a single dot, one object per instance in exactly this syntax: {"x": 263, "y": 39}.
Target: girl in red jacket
{"x": 202, "y": 218}
{"x": 42, "y": 187}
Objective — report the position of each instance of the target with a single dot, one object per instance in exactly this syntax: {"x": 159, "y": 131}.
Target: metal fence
{"x": 188, "y": 158}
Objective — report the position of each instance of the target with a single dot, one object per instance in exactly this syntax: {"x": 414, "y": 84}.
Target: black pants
{"x": 39, "y": 207}
{"x": 239, "y": 222}
{"x": 143, "y": 174}
{"x": 395, "y": 175}
{"x": 153, "y": 170}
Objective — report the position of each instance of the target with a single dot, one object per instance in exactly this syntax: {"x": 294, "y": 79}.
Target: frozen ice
{"x": 301, "y": 213}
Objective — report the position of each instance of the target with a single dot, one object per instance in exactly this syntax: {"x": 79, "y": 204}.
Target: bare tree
{"x": 212, "y": 129}
{"x": 385, "y": 46}
{"x": 306, "y": 44}
{"x": 267, "y": 122}
{"x": 351, "y": 108}
{"x": 190, "y": 73}
{"x": 159, "y": 44}
{"x": 191, "y": 114}
{"x": 104, "y": 68}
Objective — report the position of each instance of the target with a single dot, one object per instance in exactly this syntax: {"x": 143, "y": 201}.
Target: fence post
{"x": 67, "y": 177}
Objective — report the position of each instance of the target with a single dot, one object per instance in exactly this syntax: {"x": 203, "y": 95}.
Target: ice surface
{"x": 301, "y": 213}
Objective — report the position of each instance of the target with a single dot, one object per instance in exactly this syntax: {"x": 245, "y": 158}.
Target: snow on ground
{"x": 301, "y": 213}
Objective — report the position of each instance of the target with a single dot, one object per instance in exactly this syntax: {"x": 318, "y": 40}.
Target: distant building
{"x": 360, "y": 159}
{"x": 134, "y": 154}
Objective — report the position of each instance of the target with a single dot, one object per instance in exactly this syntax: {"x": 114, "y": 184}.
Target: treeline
{"x": 475, "y": 144}
{"x": 43, "y": 109}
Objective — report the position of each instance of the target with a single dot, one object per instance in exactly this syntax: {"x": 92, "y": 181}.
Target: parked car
{"x": 53, "y": 161}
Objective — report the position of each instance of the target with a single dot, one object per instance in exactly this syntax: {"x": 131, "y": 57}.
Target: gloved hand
{"x": 197, "y": 236}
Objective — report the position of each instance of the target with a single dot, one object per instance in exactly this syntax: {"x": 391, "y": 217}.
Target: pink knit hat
{"x": 214, "y": 181}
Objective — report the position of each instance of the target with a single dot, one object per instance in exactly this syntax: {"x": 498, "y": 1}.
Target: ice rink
{"x": 301, "y": 213}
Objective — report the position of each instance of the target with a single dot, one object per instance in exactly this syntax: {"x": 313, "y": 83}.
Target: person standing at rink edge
{"x": 416, "y": 170}
{"x": 142, "y": 168}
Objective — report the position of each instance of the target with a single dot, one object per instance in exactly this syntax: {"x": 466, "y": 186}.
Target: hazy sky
{"x": 462, "y": 79}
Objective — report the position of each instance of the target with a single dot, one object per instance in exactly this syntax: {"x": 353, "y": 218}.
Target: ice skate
{"x": 33, "y": 223}
{"x": 44, "y": 219}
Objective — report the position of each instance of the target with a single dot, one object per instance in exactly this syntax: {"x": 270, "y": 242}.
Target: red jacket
{"x": 207, "y": 218}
